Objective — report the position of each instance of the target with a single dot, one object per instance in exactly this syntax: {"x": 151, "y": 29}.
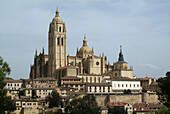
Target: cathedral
{"x": 57, "y": 64}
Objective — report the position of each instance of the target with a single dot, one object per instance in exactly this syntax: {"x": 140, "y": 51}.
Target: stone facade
{"x": 131, "y": 99}
{"x": 85, "y": 62}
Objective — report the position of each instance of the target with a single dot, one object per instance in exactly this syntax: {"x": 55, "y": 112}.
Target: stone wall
{"x": 150, "y": 98}
{"x": 101, "y": 100}
{"x": 131, "y": 99}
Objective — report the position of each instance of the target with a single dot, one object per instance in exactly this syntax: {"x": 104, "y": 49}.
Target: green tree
{"x": 6, "y": 104}
{"x": 54, "y": 99}
{"x": 116, "y": 110}
{"x": 85, "y": 105}
{"x": 163, "y": 110}
{"x": 164, "y": 94}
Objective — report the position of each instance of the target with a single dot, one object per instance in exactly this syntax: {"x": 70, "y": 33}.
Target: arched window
{"x": 94, "y": 79}
{"x": 99, "y": 79}
{"x": 63, "y": 29}
{"x": 90, "y": 79}
{"x": 59, "y": 29}
{"x": 58, "y": 41}
{"x": 61, "y": 41}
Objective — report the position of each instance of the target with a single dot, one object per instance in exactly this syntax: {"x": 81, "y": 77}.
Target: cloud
{"x": 150, "y": 66}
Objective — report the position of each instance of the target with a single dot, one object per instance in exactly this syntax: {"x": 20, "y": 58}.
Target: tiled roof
{"x": 44, "y": 79}
{"x": 144, "y": 79}
{"x": 12, "y": 81}
{"x": 63, "y": 67}
{"x": 155, "y": 105}
{"x": 98, "y": 84}
{"x": 141, "y": 109}
{"x": 70, "y": 77}
{"x": 90, "y": 75}
{"x": 117, "y": 103}
{"x": 26, "y": 79}
{"x": 73, "y": 83}
{"x": 72, "y": 56}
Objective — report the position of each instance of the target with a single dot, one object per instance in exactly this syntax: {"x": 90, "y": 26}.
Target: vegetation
{"x": 54, "y": 99}
{"x": 117, "y": 110}
{"x": 163, "y": 110}
{"x": 85, "y": 105}
{"x": 6, "y": 104}
{"x": 164, "y": 84}
{"x": 127, "y": 91}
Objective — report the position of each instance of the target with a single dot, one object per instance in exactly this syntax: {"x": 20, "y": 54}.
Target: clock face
{"x": 97, "y": 63}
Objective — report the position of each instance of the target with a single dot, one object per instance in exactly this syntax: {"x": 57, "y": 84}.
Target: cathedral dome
{"x": 85, "y": 48}
{"x": 57, "y": 18}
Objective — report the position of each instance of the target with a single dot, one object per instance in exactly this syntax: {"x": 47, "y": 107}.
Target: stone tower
{"x": 57, "y": 44}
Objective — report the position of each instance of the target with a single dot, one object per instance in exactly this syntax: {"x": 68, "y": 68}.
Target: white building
{"x": 120, "y": 85}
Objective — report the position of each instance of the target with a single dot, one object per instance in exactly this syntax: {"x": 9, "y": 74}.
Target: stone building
{"x": 84, "y": 64}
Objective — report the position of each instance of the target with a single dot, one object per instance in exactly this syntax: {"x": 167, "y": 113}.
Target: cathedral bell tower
{"x": 57, "y": 44}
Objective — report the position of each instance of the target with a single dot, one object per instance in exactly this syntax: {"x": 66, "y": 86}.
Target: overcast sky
{"x": 142, "y": 27}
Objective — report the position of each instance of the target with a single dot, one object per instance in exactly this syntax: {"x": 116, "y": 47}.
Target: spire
{"x": 36, "y": 52}
{"x": 92, "y": 50}
{"x": 77, "y": 49}
{"x": 120, "y": 54}
{"x": 57, "y": 13}
{"x": 85, "y": 41}
{"x": 43, "y": 50}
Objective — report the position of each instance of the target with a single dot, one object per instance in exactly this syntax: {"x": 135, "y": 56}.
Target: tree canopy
{"x": 6, "y": 104}
{"x": 163, "y": 110}
{"x": 54, "y": 99}
{"x": 85, "y": 105}
{"x": 116, "y": 110}
{"x": 164, "y": 94}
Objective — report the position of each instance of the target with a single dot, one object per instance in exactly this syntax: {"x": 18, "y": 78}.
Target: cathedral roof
{"x": 121, "y": 58}
{"x": 57, "y": 18}
{"x": 85, "y": 48}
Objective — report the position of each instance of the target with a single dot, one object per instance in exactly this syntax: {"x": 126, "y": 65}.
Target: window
{"x": 130, "y": 85}
{"x": 59, "y": 29}
{"x": 97, "y": 63}
{"x": 115, "y": 74}
{"x": 58, "y": 41}
{"x": 103, "y": 88}
{"x": 125, "y": 68}
{"x": 122, "y": 85}
{"x": 118, "y": 85}
{"x": 23, "y": 103}
{"x": 95, "y": 89}
{"x": 108, "y": 89}
{"x": 138, "y": 85}
{"x": 134, "y": 85}
{"x": 61, "y": 41}
{"x": 126, "y": 85}
{"x": 94, "y": 79}
{"x": 90, "y": 88}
